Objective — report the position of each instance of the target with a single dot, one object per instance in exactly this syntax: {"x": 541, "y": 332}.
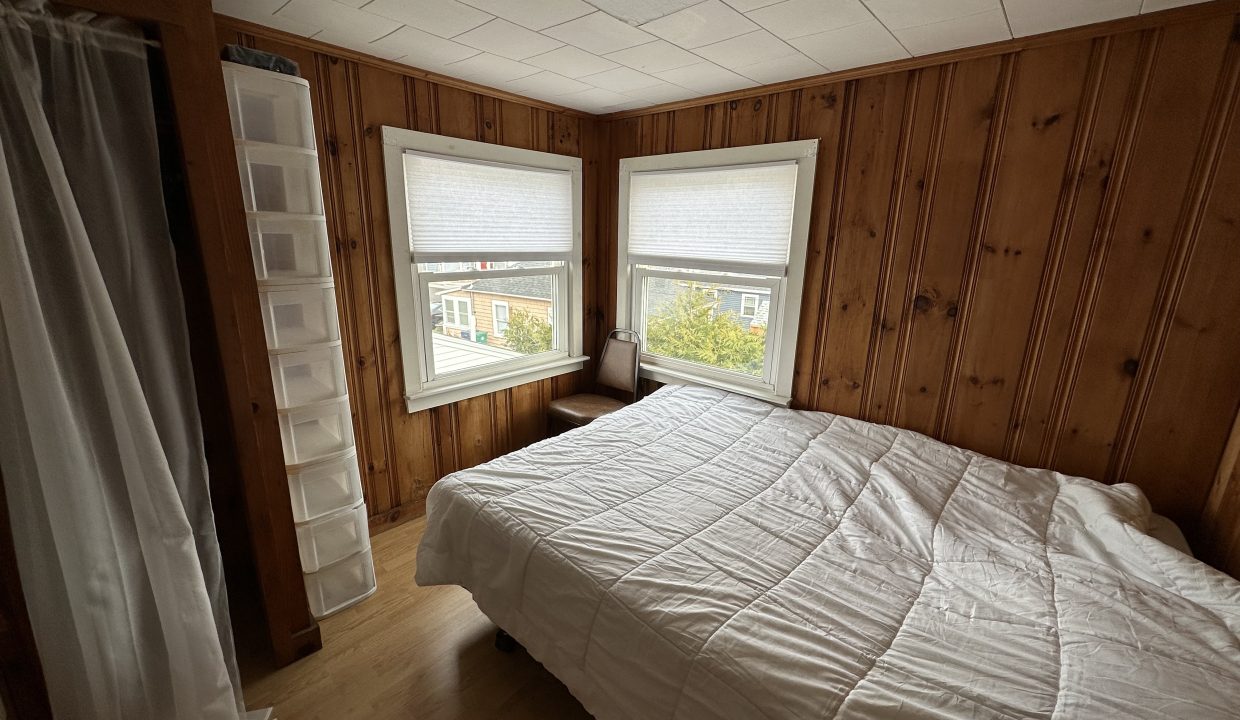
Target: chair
{"x": 617, "y": 369}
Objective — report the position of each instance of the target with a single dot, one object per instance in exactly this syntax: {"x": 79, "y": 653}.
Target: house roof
{"x": 528, "y": 286}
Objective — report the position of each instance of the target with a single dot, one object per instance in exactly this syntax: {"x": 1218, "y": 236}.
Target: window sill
{"x": 453, "y": 392}
{"x": 680, "y": 377}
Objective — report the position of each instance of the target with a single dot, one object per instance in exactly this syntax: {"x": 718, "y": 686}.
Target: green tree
{"x": 527, "y": 333}
{"x": 691, "y": 328}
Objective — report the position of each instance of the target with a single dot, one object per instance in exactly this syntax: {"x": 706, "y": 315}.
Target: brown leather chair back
{"x": 617, "y": 368}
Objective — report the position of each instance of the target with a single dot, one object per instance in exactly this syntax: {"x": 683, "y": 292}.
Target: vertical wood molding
{"x": 1103, "y": 236}
{"x": 1222, "y": 112}
{"x": 833, "y": 233}
{"x": 1053, "y": 267}
{"x": 977, "y": 235}
{"x": 921, "y": 231}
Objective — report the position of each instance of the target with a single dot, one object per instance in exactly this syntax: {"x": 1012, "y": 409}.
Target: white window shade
{"x": 718, "y": 215}
{"x": 478, "y": 211}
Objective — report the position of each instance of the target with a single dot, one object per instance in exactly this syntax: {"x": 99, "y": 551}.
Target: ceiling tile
{"x": 621, "y": 79}
{"x": 899, "y": 14}
{"x": 595, "y": 98}
{"x": 505, "y": 39}
{"x": 663, "y": 92}
{"x": 420, "y": 49}
{"x": 598, "y": 33}
{"x": 788, "y": 67}
{"x": 571, "y": 62}
{"x": 654, "y": 57}
{"x": 979, "y": 29}
{"x": 1156, "y": 5}
{"x": 534, "y": 14}
{"x": 546, "y": 84}
{"x": 706, "y": 78}
{"x": 444, "y": 18}
{"x": 747, "y": 5}
{"x": 798, "y": 18}
{"x": 490, "y": 69}
{"x": 703, "y": 24}
{"x": 1030, "y": 17}
{"x": 748, "y": 49}
{"x": 636, "y": 12}
{"x": 854, "y": 46}
{"x": 263, "y": 13}
{"x": 341, "y": 25}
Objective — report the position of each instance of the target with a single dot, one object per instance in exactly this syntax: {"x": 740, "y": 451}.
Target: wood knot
{"x": 757, "y": 104}
{"x": 921, "y": 303}
{"x": 952, "y": 310}
{"x": 830, "y": 100}
{"x": 1131, "y": 366}
{"x": 361, "y": 361}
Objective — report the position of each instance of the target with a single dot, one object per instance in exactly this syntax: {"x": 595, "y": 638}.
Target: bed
{"x": 700, "y": 554}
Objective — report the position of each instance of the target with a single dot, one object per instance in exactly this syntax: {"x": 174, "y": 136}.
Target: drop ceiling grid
{"x": 603, "y": 56}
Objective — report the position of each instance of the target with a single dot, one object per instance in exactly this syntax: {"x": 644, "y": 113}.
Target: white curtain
{"x": 100, "y": 441}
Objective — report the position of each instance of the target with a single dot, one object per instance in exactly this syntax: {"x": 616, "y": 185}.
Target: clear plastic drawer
{"x": 338, "y": 586}
{"x": 269, "y": 108}
{"x": 290, "y": 249}
{"x": 308, "y": 376}
{"x": 279, "y": 179}
{"x": 298, "y": 316}
{"x": 315, "y": 432}
{"x": 324, "y": 487}
{"x": 332, "y": 537}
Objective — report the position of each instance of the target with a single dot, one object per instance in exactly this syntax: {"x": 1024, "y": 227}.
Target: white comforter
{"x": 704, "y": 555}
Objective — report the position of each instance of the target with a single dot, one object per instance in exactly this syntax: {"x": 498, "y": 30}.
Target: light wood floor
{"x": 411, "y": 652}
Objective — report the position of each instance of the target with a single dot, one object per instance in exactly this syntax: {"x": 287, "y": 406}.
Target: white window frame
{"x": 785, "y": 283}
{"x": 456, "y": 311}
{"x": 756, "y": 301}
{"x": 423, "y": 389}
{"x": 495, "y": 306}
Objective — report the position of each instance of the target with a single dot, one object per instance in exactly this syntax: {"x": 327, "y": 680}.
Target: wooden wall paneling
{"x": 1192, "y": 346}
{"x": 1078, "y": 223}
{"x": 974, "y": 108}
{"x": 823, "y": 113}
{"x": 880, "y": 111}
{"x": 747, "y": 121}
{"x": 916, "y": 165}
{"x": 1218, "y": 533}
{"x": 385, "y": 102}
{"x": 1015, "y": 244}
{"x": 688, "y": 129}
{"x": 1171, "y": 124}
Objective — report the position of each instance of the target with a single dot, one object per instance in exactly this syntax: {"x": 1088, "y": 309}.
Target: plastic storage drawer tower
{"x": 274, "y": 131}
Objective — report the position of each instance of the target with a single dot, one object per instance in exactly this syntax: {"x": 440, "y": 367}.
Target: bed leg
{"x": 505, "y": 642}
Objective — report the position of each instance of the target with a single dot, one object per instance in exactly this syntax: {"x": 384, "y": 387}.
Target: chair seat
{"x": 583, "y": 408}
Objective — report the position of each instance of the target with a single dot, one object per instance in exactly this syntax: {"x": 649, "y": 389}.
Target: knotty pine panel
{"x": 1032, "y": 253}
{"x": 401, "y": 454}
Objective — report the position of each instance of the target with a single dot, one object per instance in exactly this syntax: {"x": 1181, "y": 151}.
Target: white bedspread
{"x": 705, "y": 555}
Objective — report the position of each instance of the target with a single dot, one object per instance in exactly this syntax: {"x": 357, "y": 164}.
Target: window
{"x": 499, "y": 317}
{"x": 473, "y": 221}
{"x": 457, "y": 313}
{"x": 711, "y": 263}
{"x": 749, "y": 305}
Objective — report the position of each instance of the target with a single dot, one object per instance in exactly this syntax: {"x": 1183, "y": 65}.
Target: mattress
{"x": 700, "y": 554}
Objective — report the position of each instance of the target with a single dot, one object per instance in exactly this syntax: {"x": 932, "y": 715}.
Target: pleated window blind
{"x": 462, "y": 210}
{"x": 718, "y": 215}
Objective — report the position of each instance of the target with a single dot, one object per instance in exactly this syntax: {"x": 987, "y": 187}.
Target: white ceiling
{"x": 608, "y": 55}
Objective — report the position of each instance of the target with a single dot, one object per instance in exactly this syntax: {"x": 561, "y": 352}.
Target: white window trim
{"x": 456, "y": 312}
{"x": 495, "y": 306}
{"x": 744, "y": 297}
{"x": 776, "y": 383}
{"x": 422, "y": 390}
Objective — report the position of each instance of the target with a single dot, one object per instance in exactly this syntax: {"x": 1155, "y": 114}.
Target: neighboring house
{"x": 750, "y": 307}
{"x": 484, "y": 306}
